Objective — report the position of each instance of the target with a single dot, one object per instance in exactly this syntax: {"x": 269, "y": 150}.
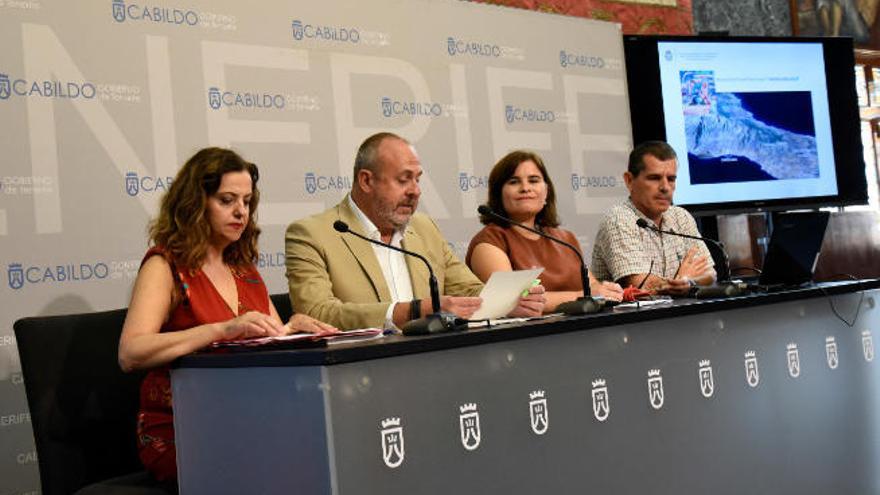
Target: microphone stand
{"x": 583, "y": 305}
{"x": 436, "y": 322}
{"x": 724, "y": 287}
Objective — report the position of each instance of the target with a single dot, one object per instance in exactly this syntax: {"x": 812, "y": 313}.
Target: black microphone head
{"x": 641, "y": 222}
{"x": 340, "y": 226}
{"x": 484, "y": 210}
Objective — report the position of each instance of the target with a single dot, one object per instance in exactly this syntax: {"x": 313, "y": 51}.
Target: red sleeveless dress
{"x": 200, "y": 304}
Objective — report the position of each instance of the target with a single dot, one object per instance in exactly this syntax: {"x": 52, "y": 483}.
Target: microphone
{"x": 724, "y": 287}
{"x": 727, "y": 289}
{"x": 435, "y": 322}
{"x": 580, "y": 306}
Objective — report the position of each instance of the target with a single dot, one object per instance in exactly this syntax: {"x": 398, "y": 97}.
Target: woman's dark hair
{"x": 182, "y": 228}
{"x": 502, "y": 172}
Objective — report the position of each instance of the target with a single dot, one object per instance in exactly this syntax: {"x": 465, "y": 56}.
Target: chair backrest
{"x": 282, "y": 305}
{"x": 83, "y": 407}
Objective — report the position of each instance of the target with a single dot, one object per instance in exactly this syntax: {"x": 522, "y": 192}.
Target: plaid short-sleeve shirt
{"x": 622, "y": 248}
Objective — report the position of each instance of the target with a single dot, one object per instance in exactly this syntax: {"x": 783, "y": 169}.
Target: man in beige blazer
{"x": 350, "y": 283}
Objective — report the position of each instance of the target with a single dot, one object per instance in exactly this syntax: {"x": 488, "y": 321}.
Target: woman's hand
{"x": 250, "y": 325}
{"x": 608, "y": 290}
{"x": 530, "y": 305}
{"x": 304, "y": 323}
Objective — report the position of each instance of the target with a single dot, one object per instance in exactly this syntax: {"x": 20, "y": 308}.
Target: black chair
{"x": 83, "y": 407}
{"x": 282, "y": 305}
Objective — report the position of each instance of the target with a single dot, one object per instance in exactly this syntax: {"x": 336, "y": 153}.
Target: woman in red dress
{"x": 197, "y": 284}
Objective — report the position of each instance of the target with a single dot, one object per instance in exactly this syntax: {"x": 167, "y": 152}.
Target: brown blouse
{"x": 561, "y": 266}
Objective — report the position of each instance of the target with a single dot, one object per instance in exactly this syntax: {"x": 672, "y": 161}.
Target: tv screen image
{"x": 745, "y": 137}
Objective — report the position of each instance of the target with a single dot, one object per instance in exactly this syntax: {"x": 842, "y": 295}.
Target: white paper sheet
{"x": 503, "y": 290}
{"x": 504, "y": 321}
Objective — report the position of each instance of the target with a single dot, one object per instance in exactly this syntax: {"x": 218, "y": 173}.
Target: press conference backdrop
{"x": 103, "y": 100}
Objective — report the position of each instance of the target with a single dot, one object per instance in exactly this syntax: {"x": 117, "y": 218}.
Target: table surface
{"x": 394, "y": 345}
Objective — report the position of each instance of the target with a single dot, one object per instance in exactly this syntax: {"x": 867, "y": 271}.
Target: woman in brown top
{"x": 520, "y": 189}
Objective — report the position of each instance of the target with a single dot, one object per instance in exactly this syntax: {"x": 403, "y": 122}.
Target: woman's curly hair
{"x": 182, "y": 227}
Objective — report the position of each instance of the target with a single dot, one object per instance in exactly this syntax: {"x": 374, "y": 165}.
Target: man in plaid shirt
{"x": 631, "y": 255}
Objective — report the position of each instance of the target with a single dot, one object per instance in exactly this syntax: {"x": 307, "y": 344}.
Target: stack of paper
{"x": 329, "y": 337}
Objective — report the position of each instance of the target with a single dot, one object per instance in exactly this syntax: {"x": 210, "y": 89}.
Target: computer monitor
{"x": 794, "y": 248}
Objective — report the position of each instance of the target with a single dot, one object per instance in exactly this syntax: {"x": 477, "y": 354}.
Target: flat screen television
{"x": 758, "y": 123}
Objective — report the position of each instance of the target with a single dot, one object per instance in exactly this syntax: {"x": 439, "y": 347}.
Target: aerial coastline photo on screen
{"x": 746, "y": 136}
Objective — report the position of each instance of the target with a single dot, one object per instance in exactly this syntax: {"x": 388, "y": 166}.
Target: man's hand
{"x": 531, "y": 304}
{"x": 463, "y": 307}
{"x": 675, "y": 287}
{"x": 693, "y": 266}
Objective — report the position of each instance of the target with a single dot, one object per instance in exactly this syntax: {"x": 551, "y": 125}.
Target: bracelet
{"x": 415, "y": 309}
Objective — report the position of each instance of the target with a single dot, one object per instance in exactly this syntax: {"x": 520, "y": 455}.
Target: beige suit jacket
{"x": 337, "y": 279}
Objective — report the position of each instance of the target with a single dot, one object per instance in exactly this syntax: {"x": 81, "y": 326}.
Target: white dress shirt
{"x": 393, "y": 263}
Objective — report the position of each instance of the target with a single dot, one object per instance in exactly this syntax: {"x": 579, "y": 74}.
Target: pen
{"x": 677, "y": 269}
{"x": 650, "y": 269}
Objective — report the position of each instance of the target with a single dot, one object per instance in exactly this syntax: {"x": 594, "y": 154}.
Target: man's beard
{"x": 386, "y": 212}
